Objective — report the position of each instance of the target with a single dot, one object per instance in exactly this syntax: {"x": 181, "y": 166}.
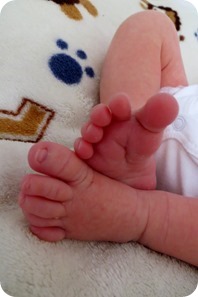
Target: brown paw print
{"x": 70, "y": 8}
{"x": 172, "y": 14}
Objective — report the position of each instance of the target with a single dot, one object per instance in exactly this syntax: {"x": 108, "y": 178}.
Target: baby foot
{"x": 120, "y": 144}
{"x": 67, "y": 199}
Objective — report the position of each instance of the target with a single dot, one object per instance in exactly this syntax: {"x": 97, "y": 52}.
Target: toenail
{"x": 41, "y": 155}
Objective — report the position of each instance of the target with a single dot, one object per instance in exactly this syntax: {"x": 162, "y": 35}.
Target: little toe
{"x": 51, "y": 234}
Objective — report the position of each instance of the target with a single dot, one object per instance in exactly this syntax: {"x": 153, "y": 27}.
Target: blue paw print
{"x": 66, "y": 68}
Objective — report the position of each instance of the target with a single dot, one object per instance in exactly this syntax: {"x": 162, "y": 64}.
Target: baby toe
{"x": 159, "y": 111}
{"x": 83, "y": 149}
{"x": 42, "y": 208}
{"x": 120, "y": 107}
{"x": 101, "y": 115}
{"x": 92, "y": 133}
{"x": 43, "y": 223}
{"x": 46, "y": 187}
{"x": 58, "y": 161}
{"x": 51, "y": 234}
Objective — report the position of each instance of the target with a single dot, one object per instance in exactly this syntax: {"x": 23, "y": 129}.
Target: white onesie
{"x": 177, "y": 157}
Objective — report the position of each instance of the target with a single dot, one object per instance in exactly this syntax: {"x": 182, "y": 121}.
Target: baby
{"x": 105, "y": 191}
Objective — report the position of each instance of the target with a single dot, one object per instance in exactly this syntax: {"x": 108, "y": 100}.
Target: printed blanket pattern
{"x": 51, "y": 54}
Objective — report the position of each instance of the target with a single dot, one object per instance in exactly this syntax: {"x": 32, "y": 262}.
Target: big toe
{"x": 160, "y": 111}
{"x": 57, "y": 161}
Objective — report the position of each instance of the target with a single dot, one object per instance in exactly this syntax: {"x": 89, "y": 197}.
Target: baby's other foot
{"x": 67, "y": 199}
{"x": 120, "y": 144}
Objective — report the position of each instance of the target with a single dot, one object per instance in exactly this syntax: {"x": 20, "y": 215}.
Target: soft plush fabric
{"x": 51, "y": 55}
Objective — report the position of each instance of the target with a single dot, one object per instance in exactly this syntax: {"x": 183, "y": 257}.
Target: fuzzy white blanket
{"x": 50, "y": 61}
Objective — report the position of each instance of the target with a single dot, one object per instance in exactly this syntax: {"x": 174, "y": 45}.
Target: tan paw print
{"x": 70, "y": 8}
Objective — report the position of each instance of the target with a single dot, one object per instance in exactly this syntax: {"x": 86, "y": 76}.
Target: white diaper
{"x": 177, "y": 157}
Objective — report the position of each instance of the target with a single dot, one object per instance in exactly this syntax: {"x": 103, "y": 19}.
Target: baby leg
{"x": 143, "y": 57}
